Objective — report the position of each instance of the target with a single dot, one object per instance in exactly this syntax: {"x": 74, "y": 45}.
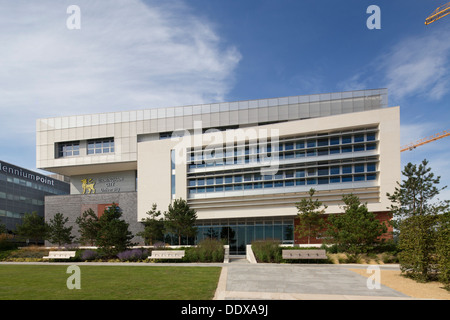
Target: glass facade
{"x": 237, "y": 233}
{"x": 332, "y": 159}
{"x": 23, "y": 191}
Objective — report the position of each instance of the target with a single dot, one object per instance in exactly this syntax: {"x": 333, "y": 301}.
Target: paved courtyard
{"x": 301, "y": 282}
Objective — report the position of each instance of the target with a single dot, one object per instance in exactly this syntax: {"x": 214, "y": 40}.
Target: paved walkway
{"x": 299, "y": 282}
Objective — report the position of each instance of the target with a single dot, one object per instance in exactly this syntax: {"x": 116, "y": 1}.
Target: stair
{"x": 238, "y": 259}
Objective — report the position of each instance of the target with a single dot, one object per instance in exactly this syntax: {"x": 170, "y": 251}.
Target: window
{"x": 371, "y": 167}
{"x": 100, "y": 146}
{"x": 370, "y": 137}
{"x": 334, "y": 141}
{"x": 334, "y": 170}
{"x": 359, "y": 147}
{"x": 346, "y": 139}
{"x": 323, "y": 142}
{"x": 311, "y": 143}
{"x": 289, "y": 174}
{"x": 323, "y": 171}
{"x": 300, "y": 144}
{"x": 335, "y": 150}
{"x": 289, "y": 183}
{"x": 347, "y": 169}
{"x": 359, "y": 138}
{"x": 300, "y": 173}
{"x": 347, "y": 179}
{"x": 346, "y": 149}
{"x": 68, "y": 149}
{"x": 359, "y": 168}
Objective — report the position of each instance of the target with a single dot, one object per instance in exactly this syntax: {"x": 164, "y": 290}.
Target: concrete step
{"x": 238, "y": 259}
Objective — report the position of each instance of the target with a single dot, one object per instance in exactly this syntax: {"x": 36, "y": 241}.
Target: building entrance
{"x": 238, "y": 233}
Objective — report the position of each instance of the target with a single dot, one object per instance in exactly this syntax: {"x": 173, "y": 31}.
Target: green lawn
{"x": 48, "y": 282}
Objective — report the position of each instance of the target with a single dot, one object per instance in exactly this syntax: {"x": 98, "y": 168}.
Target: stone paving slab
{"x": 300, "y": 282}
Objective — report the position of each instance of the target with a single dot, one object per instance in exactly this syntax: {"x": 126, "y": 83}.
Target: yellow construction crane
{"x": 439, "y": 13}
{"x": 423, "y": 141}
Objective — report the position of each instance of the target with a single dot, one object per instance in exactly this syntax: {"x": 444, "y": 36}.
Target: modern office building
{"x": 242, "y": 165}
{"x": 23, "y": 191}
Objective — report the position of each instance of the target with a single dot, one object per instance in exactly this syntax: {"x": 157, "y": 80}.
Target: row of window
{"x": 299, "y": 144}
{"x": 282, "y": 175}
{"x": 286, "y": 155}
{"x": 33, "y": 185}
{"x": 98, "y": 146}
{"x": 26, "y": 200}
{"x": 10, "y": 214}
{"x": 286, "y": 183}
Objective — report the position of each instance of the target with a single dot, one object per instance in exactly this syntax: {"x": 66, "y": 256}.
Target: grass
{"x": 35, "y": 282}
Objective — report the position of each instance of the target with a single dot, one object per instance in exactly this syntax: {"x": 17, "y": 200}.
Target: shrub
{"x": 133, "y": 255}
{"x": 89, "y": 255}
{"x": 208, "y": 250}
{"x": 267, "y": 251}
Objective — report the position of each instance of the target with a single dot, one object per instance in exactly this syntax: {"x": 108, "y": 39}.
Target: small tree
{"x": 443, "y": 248}
{"x": 58, "y": 232}
{"x": 33, "y": 227}
{"x": 310, "y": 217}
{"x": 88, "y": 227}
{"x": 417, "y": 246}
{"x": 356, "y": 230}
{"x": 153, "y": 226}
{"x": 113, "y": 235}
{"x": 180, "y": 219}
{"x": 413, "y": 196}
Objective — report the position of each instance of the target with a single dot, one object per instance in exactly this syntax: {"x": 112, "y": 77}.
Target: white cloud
{"x": 127, "y": 55}
{"x": 415, "y": 66}
{"x": 419, "y": 65}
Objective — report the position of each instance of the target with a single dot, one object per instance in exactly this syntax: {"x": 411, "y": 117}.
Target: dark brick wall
{"x": 71, "y": 206}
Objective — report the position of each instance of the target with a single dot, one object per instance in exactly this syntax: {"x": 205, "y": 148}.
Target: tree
{"x": 153, "y": 226}
{"x": 58, "y": 232}
{"x": 88, "y": 227}
{"x": 356, "y": 230}
{"x": 420, "y": 221}
{"x": 310, "y": 216}
{"x": 417, "y": 246}
{"x": 33, "y": 227}
{"x": 443, "y": 248}
{"x": 413, "y": 196}
{"x": 180, "y": 219}
{"x": 113, "y": 235}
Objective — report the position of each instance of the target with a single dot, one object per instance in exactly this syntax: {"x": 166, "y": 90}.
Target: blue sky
{"x": 142, "y": 54}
